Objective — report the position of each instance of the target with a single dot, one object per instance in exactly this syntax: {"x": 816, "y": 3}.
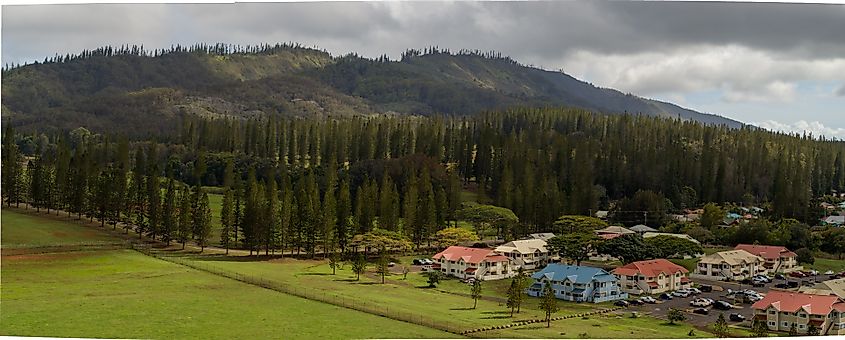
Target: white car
{"x": 700, "y": 303}
{"x": 695, "y": 291}
{"x": 814, "y": 272}
{"x": 648, "y": 299}
{"x": 681, "y": 293}
{"x": 829, "y": 272}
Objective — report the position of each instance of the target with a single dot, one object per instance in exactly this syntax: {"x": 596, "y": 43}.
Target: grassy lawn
{"x": 689, "y": 264}
{"x": 123, "y": 294}
{"x": 824, "y": 265}
{"x": 442, "y": 304}
{"x": 20, "y": 230}
{"x": 607, "y": 326}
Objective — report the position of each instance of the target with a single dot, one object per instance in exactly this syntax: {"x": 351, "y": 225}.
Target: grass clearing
{"x": 124, "y": 294}
{"x": 21, "y": 230}
{"x": 823, "y": 265}
{"x": 607, "y": 326}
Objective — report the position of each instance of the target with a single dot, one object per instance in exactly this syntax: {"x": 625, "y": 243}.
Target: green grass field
{"x": 448, "y": 303}
{"x": 823, "y": 265}
{"x": 21, "y": 230}
{"x": 124, "y": 294}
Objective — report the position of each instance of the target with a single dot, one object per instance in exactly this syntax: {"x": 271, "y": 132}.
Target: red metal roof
{"x": 792, "y": 302}
{"x": 652, "y": 284}
{"x": 470, "y": 270}
{"x": 767, "y": 252}
{"x": 650, "y": 268}
{"x": 470, "y": 255}
{"x": 684, "y": 279}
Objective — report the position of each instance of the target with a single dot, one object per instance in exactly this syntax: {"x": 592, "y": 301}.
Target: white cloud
{"x": 816, "y": 128}
{"x": 739, "y": 73}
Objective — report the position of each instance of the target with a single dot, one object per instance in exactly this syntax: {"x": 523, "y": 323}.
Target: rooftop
{"x": 469, "y": 255}
{"x": 767, "y": 252}
{"x": 792, "y": 302}
{"x": 650, "y": 268}
{"x": 576, "y": 274}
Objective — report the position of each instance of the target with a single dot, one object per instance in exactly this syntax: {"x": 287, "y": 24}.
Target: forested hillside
{"x": 302, "y": 182}
{"x": 140, "y": 93}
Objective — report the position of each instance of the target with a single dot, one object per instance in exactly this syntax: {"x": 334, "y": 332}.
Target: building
{"x": 641, "y": 228}
{"x": 834, "y": 220}
{"x": 729, "y": 265}
{"x": 778, "y": 259}
{"x": 613, "y": 232}
{"x": 479, "y": 263}
{"x": 683, "y": 236}
{"x": 829, "y": 287}
{"x": 526, "y": 254}
{"x": 577, "y": 283}
{"x": 651, "y": 277}
{"x": 541, "y": 236}
{"x": 779, "y": 310}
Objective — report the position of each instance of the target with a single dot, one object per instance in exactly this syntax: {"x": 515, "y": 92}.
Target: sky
{"x": 778, "y": 66}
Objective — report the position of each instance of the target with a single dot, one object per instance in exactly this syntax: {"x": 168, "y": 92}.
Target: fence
{"x": 310, "y": 293}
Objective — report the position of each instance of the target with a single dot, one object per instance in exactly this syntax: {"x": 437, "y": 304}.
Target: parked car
{"x": 428, "y": 261}
{"x": 416, "y": 262}
{"x": 782, "y": 285}
{"x": 681, "y": 293}
{"x": 792, "y": 284}
{"x": 695, "y": 291}
{"x": 758, "y": 284}
{"x": 779, "y": 276}
{"x": 665, "y": 296}
{"x": 829, "y": 272}
{"x": 706, "y": 288}
{"x": 798, "y": 274}
{"x": 699, "y": 303}
{"x": 709, "y": 301}
{"x": 737, "y": 317}
{"x": 648, "y": 299}
{"x": 391, "y": 264}
{"x": 621, "y": 303}
{"x": 813, "y": 272}
{"x": 723, "y": 305}
{"x": 762, "y": 278}
{"x": 702, "y": 311}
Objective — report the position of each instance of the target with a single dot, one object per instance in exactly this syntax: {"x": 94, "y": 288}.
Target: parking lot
{"x": 720, "y": 289}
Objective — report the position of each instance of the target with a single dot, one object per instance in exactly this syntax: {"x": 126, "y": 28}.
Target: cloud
{"x": 801, "y": 127}
{"x": 841, "y": 91}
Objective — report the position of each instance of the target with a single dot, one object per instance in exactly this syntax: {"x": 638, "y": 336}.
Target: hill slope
{"x": 138, "y": 94}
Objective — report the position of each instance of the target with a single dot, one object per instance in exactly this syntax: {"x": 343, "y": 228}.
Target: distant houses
{"x": 612, "y": 232}
{"x": 729, "y": 265}
{"x": 835, "y": 220}
{"x": 829, "y": 287}
{"x": 641, "y": 228}
{"x": 478, "y": 263}
{"x": 528, "y": 254}
{"x": 541, "y": 236}
{"x": 577, "y": 283}
{"x": 651, "y": 277}
{"x": 780, "y": 310}
{"x": 681, "y": 236}
{"x": 778, "y": 259}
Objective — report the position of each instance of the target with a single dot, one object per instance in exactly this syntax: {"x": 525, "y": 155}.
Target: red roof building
{"x": 651, "y": 277}
{"x": 479, "y": 263}
{"x": 778, "y": 258}
{"x": 781, "y": 309}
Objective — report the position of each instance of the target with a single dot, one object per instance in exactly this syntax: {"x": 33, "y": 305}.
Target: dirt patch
{"x": 59, "y": 234}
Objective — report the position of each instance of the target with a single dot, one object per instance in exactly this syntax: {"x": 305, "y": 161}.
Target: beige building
{"x": 526, "y": 254}
{"x": 829, "y": 287}
{"x": 729, "y": 265}
{"x": 778, "y": 259}
{"x": 780, "y": 310}
{"x": 651, "y": 277}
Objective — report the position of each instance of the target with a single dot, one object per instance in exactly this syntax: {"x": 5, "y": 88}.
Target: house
{"x": 729, "y": 265}
{"x": 829, "y": 287}
{"x": 683, "y": 236}
{"x": 541, "y": 236}
{"x": 651, "y": 277}
{"x": 479, "y": 263}
{"x": 526, "y": 254}
{"x": 778, "y": 259}
{"x": 827, "y": 206}
{"x": 834, "y": 220}
{"x": 779, "y": 310}
{"x": 577, "y": 283}
{"x": 640, "y": 228}
{"x": 602, "y": 214}
{"x": 613, "y": 232}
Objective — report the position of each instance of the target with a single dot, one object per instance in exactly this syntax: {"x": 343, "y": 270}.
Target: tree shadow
{"x": 497, "y": 317}
{"x": 317, "y": 274}
{"x": 462, "y": 308}
{"x": 497, "y": 312}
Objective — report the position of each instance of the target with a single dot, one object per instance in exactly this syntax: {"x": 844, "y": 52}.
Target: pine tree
{"x": 183, "y": 233}
{"x": 202, "y": 221}
{"x": 227, "y": 219}
{"x": 548, "y": 303}
{"x": 11, "y": 170}
{"x": 344, "y": 215}
{"x": 169, "y": 218}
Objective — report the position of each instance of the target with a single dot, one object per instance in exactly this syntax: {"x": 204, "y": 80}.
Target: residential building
{"x": 729, "y": 265}
{"x": 651, "y": 277}
{"x": 829, "y": 287}
{"x": 479, "y": 263}
{"x": 834, "y": 220}
{"x": 577, "y": 283}
{"x": 779, "y": 310}
{"x": 641, "y": 228}
{"x": 613, "y": 232}
{"x": 541, "y": 236}
{"x": 683, "y": 236}
{"x": 778, "y": 258}
{"x": 526, "y": 254}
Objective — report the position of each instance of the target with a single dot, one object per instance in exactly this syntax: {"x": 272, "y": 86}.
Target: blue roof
{"x": 576, "y": 274}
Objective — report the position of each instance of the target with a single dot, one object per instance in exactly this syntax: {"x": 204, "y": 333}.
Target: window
{"x": 801, "y": 326}
{"x": 772, "y": 312}
{"x": 771, "y": 323}
{"x": 802, "y": 315}
{"x": 785, "y": 324}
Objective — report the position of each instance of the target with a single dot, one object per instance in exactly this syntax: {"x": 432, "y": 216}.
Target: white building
{"x": 527, "y": 254}
{"x": 479, "y": 263}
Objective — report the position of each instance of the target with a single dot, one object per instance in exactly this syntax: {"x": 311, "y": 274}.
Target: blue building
{"x": 577, "y": 283}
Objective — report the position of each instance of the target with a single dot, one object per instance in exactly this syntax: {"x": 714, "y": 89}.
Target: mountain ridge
{"x": 127, "y": 90}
